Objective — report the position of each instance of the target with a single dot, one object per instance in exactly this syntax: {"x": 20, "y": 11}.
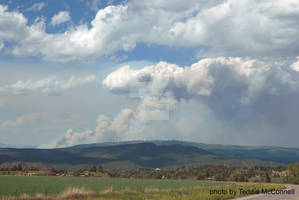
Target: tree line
{"x": 289, "y": 174}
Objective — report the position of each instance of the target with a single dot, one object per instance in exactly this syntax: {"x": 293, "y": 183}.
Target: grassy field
{"x": 14, "y": 187}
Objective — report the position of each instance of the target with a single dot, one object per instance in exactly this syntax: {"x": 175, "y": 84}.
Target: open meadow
{"x": 20, "y": 187}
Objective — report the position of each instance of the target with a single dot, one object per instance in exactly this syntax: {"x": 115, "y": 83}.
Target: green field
{"x": 16, "y": 185}
{"x": 52, "y": 188}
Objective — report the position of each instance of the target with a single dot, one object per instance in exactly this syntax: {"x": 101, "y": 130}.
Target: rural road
{"x": 275, "y": 196}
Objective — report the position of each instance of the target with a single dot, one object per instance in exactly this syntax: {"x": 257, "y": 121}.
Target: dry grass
{"x": 68, "y": 194}
{"x": 107, "y": 191}
{"x": 76, "y": 193}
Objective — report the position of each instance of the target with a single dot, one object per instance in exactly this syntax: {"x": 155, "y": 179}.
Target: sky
{"x": 211, "y": 71}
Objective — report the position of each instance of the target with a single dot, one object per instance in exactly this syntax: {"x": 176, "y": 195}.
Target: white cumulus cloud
{"x": 61, "y": 17}
{"x": 221, "y": 28}
{"x": 37, "y": 6}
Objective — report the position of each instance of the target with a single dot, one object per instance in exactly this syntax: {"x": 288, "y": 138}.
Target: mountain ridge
{"x": 146, "y": 154}
{"x": 283, "y": 155}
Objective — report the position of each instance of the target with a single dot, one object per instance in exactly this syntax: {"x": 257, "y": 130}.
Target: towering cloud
{"x": 212, "y": 99}
{"x": 212, "y": 76}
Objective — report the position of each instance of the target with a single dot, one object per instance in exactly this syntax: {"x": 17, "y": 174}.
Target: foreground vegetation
{"x": 276, "y": 174}
{"x": 208, "y": 172}
{"x": 293, "y": 173}
{"x": 47, "y": 185}
{"x": 195, "y": 182}
{"x": 215, "y": 191}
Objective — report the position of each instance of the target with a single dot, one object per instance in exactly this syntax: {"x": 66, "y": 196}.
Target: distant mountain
{"x": 125, "y": 155}
{"x": 281, "y": 155}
